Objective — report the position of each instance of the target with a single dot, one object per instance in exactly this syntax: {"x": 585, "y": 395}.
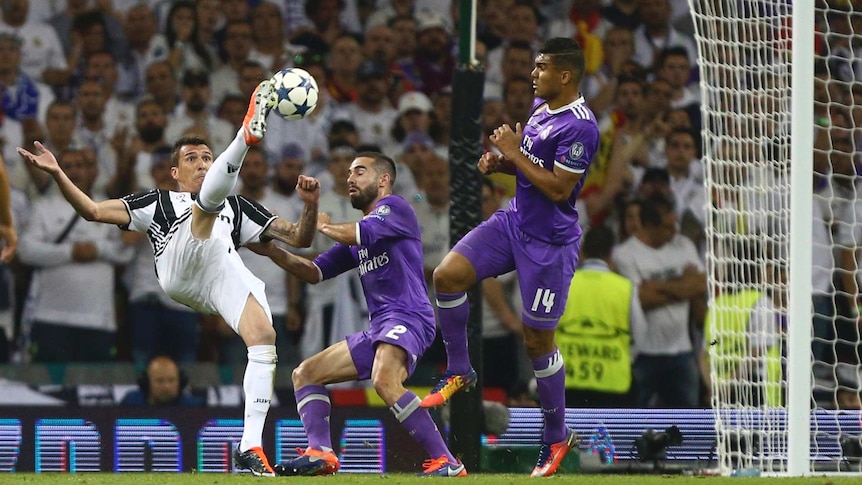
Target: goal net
{"x": 747, "y": 84}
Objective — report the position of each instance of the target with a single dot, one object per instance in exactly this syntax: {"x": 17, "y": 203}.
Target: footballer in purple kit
{"x": 538, "y": 235}
{"x": 385, "y": 247}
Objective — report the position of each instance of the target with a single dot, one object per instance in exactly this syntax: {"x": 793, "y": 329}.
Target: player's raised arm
{"x": 301, "y": 234}
{"x": 112, "y": 211}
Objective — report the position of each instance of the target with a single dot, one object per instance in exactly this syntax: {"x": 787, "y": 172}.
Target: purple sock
{"x": 312, "y": 404}
{"x": 418, "y": 423}
{"x": 453, "y": 310}
{"x": 551, "y": 384}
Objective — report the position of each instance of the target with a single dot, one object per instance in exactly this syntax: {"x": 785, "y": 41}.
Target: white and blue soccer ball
{"x": 297, "y": 93}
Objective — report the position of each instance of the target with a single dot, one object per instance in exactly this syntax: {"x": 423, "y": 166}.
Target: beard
{"x": 365, "y": 196}
{"x": 285, "y": 186}
{"x": 151, "y": 133}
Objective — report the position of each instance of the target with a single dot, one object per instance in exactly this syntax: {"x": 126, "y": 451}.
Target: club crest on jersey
{"x": 547, "y": 131}
{"x": 577, "y": 151}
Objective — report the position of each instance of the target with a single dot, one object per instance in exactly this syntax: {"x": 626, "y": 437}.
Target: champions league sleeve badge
{"x": 577, "y": 151}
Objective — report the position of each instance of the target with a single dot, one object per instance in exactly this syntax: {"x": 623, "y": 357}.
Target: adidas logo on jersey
{"x": 231, "y": 168}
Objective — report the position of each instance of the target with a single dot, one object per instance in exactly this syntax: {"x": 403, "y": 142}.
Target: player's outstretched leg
{"x": 253, "y": 460}
{"x": 550, "y": 456}
{"x": 262, "y": 101}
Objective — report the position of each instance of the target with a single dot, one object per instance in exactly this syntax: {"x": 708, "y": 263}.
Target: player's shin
{"x": 453, "y": 312}
{"x": 417, "y": 421}
{"x": 257, "y": 385}
{"x": 313, "y": 406}
{"x": 551, "y": 385}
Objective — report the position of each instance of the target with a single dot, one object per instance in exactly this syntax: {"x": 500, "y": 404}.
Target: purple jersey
{"x": 389, "y": 258}
{"x": 568, "y": 138}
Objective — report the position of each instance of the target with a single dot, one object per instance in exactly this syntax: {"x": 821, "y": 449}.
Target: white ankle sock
{"x": 257, "y": 386}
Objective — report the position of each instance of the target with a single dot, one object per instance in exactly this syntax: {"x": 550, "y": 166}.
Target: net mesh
{"x": 745, "y": 68}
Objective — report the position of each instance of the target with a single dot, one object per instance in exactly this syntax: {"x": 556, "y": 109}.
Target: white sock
{"x": 257, "y": 387}
{"x": 221, "y": 177}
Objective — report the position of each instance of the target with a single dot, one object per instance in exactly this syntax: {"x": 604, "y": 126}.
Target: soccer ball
{"x": 297, "y": 93}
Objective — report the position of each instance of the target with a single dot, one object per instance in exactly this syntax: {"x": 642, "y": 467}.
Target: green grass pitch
{"x": 394, "y": 479}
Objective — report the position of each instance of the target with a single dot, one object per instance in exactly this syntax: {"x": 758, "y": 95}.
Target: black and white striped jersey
{"x": 159, "y": 212}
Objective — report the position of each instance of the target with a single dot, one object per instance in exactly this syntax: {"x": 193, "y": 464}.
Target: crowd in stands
{"x": 110, "y": 85}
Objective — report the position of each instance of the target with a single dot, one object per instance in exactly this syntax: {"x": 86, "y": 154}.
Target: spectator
{"x": 345, "y": 57}
{"x": 378, "y": 46}
{"x": 161, "y": 85}
{"x": 59, "y": 136}
{"x": 600, "y": 87}
{"x": 431, "y": 68}
{"x": 22, "y": 97}
{"x": 194, "y": 115}
{"x": 271, "y": 49}
{"x": 162, "y": 384}
{"x": 232, "y": 109}
{"x": 597, "y": 335}
{"x": 71, "y": 321}
{"x": 687, "y": 185}
{"x": 95, "y": 130}
{"x": 237, "y": 45}
{"x": 102, "y": 68}
{"x": 403, "y": 36}
{"x": 518, "y": 99}
{"x": 416, "y": 115}
{"x": 372, "y": 112}
{"x": 622, "y": 13}
{"x": 657, "y": 33}
{"x": 522, "y": 27}
{"x": 179, "y": 45}
{"x": 432, "y": 211}
{"x": 141, "y": 27}
{"x": 42, "y": 58}
{"x": 671, "y": 286}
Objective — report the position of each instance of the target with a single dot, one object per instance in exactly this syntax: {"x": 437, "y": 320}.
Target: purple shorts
{"x": 398, "y": 330}
{"x": 498, "y": 246}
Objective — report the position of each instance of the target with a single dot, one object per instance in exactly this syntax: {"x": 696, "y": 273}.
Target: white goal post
{"x": 782, "y": 116}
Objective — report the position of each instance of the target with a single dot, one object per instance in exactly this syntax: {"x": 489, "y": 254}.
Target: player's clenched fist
{"x": 308, "y": 188}
{"x": 488, "y": 163}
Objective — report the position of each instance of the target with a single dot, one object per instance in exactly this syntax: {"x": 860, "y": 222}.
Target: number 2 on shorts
{"x": 396, "y": 331}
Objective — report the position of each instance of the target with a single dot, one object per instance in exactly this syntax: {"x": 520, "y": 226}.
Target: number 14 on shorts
{"x": 545, "y": 298}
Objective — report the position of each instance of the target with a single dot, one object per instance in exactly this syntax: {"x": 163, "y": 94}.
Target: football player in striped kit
{"x": 195, "y": 232}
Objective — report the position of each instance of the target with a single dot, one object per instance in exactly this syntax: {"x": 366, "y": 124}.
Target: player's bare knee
{"x": 448, "y": 280}
{"x": 299, "y": 377}
{"x": 387, "y": 387}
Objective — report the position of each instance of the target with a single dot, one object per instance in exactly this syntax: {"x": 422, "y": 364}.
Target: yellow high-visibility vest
{"x": 726, "y": 334}
{"x": 594, "y": 333}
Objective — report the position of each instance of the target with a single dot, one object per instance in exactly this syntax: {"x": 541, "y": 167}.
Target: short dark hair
{"x": 654, "y": 209}
{"x": 382, "y": 164}
{"x": 598, "y": 242}
{"x": 566, "y": 53}
{"x": 676, "y": 51}
{"x": 186, "y": 140}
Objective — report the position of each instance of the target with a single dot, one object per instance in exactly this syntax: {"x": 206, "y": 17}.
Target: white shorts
{"x": 208, "y": 276}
